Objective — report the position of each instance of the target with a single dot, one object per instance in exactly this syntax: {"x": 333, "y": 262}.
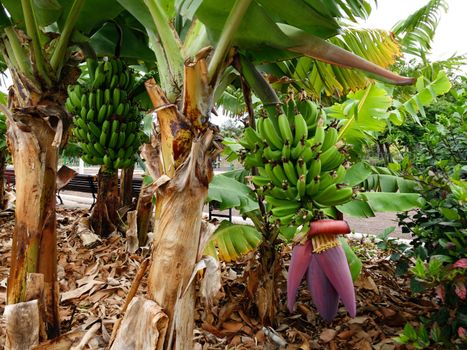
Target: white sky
{"x": 451, "y": 35}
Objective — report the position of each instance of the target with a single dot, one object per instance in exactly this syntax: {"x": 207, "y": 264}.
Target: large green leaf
{"x": 232, "y": 241}
{"x": 93, "y": 14}
{"x": 391, "y": 202}
{"x": 318, "y": 78}
{"x": 363, "y": 111}
{"x": 132, "y": 43}
{"x": 416, "y": 32}
{"x": 231, "y": 194}
{"x": 389, "y": 183}
{"x": 355, "y": 264}
{"x": 426, "y": 94}
{"x": 356, "y": 208}
{"x": 46, "y": 11}
{"x": 357, "y": 173}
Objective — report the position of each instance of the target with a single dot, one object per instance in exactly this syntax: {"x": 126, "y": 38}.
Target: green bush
{"x": 437, "y": 162}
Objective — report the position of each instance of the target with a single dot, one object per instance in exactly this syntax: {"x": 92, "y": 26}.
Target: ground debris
{"x": 94, "y": 284}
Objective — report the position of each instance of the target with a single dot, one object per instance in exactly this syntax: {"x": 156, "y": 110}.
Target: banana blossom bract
{"x": 323, "y": 261}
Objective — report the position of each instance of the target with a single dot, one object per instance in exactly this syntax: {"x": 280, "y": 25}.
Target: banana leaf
{"x": 231, "y": 241}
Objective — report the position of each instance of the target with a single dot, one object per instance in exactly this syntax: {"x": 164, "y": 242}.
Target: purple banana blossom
{"x": 328, "y": 275}
{"x": 301, "y": 254}
{"x": 323, "y": 293}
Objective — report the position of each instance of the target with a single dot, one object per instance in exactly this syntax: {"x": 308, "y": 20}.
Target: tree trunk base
{"x": 144, "y": 326}
{"x": 104, "y": 218}
{"x": 262, "y": 283}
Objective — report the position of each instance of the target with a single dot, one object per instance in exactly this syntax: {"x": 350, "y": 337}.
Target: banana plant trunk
{"x": 265, "y": 296}
{"x": 126, "y": 186}
{"x": 144, "y": 211}
{"x": 104, "y": 217}
{"x": 34, "y": 135}
{"x": 2, "y": 179}
{"x": 176, "y": 242}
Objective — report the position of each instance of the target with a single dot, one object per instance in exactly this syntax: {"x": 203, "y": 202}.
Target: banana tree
{"x": 37, "y": 44}
{"x": 179, "y": 157}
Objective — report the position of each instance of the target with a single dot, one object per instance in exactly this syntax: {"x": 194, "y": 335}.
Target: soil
{"x": 95, "y": 281}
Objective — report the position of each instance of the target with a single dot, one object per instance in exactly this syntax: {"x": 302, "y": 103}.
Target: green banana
{"x": 301, "y": 186}
{"x": 75, "y": 98}
{"x": 270, "y": 174}
{"x": 90, "y": 115}
{"x": 332, "y": 196}
{"x": 99, "y": 98}
{"x": 261, "y": 180}
{"x": 107, "y": 96}
{"x": 314, "y": 169}
{"x": 99, "y": 76}
{"x": 298, "y": 149}
{"x": 103, "y": 139}
{"x": 273, "y": 138}
{"x": 309, "y": 110}
{"x": 116, "y": 97}
{"x": 278, "y": 193}
{"x": 318, "y": 139}
{"x": 120, "y": 109}
{"x": 301, "y": 167}
{"x": 99, "y": 149}
{"x": 312, "y": 188}
{"x": 94, "y": 129}
{"x": 285, "y": 210}
{"x": 289, "y": 170}
{"x": 251, "y": 137}
{"x": 107, "y": 161}
{"x": 284, "y": 129}
{"x": 330, "y": 139}
{"x": 277, "y": 202}
{"x": 279, "y": 173}
{"x": 285, "y": 152}
{"x": 269, "y": 154}
{"x": 301, "y": 129}
{"x": 331, "y": 159}
{"x": 102, "y": 114}
{"x": 121, "y": 138}
{"x": 92, "y": 100}
{"x": 130, "y": 139}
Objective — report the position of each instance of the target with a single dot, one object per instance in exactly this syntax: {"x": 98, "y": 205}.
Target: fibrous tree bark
{"x": 34, "y": 136}
{"x": 2, "y": 180}
{"x": 179, "y": 159}
{"x": 126, "y": 186}
{"x": 104, "y": 217}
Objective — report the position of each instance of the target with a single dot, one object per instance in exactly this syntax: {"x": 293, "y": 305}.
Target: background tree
{"x": 37, "y": 45}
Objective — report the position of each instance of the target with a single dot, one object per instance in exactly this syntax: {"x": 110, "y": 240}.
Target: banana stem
{"x": 16, "y": 52}
{"x": 58, "y": 56}
{"x": 231, "y": 25}
{"x": 170, "y": 54}
{"x": 33, "y": 32}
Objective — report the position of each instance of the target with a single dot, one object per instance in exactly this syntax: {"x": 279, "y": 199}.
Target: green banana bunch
{"x": 300, "y": 167}
{"x": 107, "y": 122}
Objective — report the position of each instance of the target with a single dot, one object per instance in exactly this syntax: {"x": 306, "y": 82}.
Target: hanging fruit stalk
{"x": 301, "y": 175}
{"x": 107, "y": 124}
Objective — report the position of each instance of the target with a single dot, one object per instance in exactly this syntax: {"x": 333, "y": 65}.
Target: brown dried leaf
{"x": 327, "y": 335}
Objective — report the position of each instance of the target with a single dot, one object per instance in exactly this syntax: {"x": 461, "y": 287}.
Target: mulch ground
{"x": 94, "y": 283}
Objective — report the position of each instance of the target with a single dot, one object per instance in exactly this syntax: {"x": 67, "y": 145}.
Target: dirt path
{"x": 376, "y": 225}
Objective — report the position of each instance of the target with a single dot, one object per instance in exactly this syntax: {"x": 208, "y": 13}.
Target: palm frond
{"x": 318, "y": 78}
{"x": 416, "y": 32}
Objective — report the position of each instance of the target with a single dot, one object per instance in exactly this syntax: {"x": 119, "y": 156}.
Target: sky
{"x": 451, "y": 34}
